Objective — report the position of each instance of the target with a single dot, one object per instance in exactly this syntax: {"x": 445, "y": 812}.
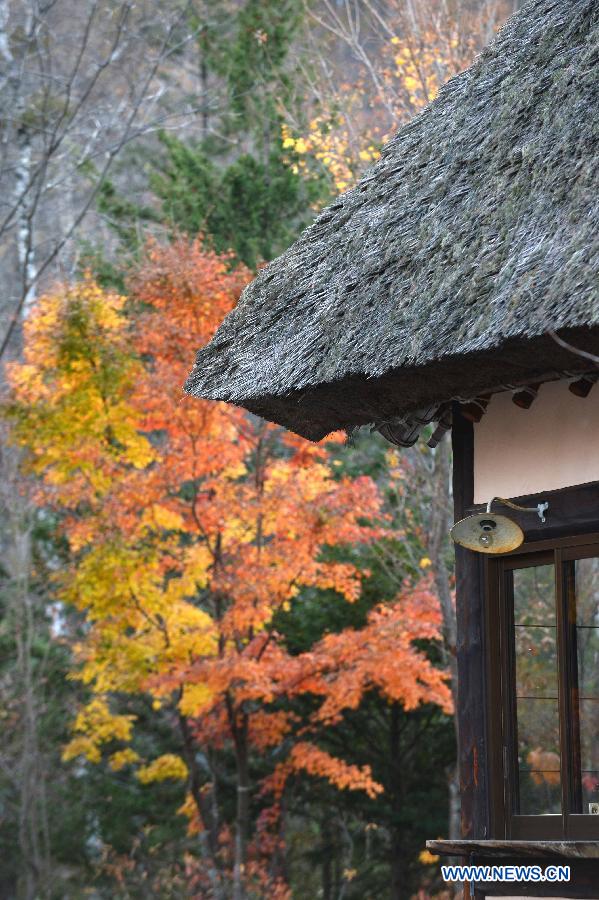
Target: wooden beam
{"x": 572, "y": 511}
{"x": 563, "y": 850}
{"x": 471, "y": 714}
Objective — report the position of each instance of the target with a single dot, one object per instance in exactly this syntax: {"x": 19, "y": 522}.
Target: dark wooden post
{"x": 470, "y": 647}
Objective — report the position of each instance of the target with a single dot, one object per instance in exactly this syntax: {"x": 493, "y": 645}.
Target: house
{"x": 458, "y": 284}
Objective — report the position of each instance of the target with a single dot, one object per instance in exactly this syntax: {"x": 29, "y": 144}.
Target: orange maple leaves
{"x": 192, "y": 525}
{"x": 383, "y": 657}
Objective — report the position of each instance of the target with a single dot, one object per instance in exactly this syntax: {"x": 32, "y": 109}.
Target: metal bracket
{"x": 540, "y": 508}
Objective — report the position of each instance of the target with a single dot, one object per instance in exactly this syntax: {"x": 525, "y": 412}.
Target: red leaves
{"x": 311, "y": 759}
{"x": 192, "y": 525}
{"x": 382, "y": 657}
{"x": 189, "y": 289}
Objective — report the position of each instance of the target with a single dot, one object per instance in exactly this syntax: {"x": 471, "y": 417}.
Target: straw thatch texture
{"x": 440, "y": 273}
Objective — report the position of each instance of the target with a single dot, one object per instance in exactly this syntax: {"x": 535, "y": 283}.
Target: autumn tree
{"x": 182, "y": 549}
{"x": 192, "y": 526}
{"x": 78, "y": 81}
{"x": 264, "y": 504}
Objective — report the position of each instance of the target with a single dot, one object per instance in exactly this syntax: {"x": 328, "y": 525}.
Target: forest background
{"x": 226, "y": 655}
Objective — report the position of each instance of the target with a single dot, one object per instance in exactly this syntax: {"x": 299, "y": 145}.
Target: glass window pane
{"x": 536, "y": 661}
{"x": 586, "y": 582}
{"x": 534, "y": 596}
{"x": 590, "y": 790}
{"x": 589, "y": 730}
{"x": 538, "y": 757}
{"x": 589, "y": 752}
{"x": 587, "y": 591}
{"x": 537, "y": 715}
{"x": 587, "y": 647}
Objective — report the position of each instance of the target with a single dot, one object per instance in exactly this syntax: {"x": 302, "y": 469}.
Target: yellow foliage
{"x": 300, "y": 146}
{"x": 196, "y": 697}
{"x": 167, "y": 766}
{"x": 161, "y": 517}
{"x": 96, "y": 725}
{"x": 328, "y": 146}
{"x": 96, "y": 719}
{"x": 190, "y": 811}
{"x": 122, "y": 758}
{"x": 82, "y": 746}
{"x": 409, "y": 75}
{"x": 71, "y": 406}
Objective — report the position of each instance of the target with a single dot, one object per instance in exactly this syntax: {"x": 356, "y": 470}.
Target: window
{"x": 544, "y": 692}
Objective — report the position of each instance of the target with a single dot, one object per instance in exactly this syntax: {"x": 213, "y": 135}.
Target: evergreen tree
{"x": 235, "y": 185}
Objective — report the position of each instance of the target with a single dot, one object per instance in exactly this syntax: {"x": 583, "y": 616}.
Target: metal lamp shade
{"x": 487, "y": 533}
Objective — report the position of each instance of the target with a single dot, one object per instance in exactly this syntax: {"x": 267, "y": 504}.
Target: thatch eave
{"x": 357, "y": 400}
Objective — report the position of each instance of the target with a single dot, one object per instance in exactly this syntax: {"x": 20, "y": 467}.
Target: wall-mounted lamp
{"x": 491, "y": 533}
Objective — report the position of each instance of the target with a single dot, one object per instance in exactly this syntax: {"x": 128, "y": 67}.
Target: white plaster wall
{"x": 554, "y": 444}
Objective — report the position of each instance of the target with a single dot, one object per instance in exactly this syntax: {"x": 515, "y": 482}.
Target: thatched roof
{"x": 441, "y": 272}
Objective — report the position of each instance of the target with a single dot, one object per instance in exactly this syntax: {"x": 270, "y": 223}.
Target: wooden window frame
{"x": 501, "y": 718}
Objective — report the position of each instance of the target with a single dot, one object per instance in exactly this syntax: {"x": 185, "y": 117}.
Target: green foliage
{"x": 109, "y": 275}
{"x": 123, "y": 216}
{"x": 240, "y": 190}
{"x": 252, "y": 207}
{"x": 86, "y": 813}
{"x": 257, "y": 77}
{"x": 409, "y": 754}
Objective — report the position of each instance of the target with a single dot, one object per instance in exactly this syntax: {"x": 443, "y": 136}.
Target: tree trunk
{"x": 440, "y": 523}
{"x": 243, "y": 807}
{"x": 29, "y": 827}
{"x": 25, "y": 255}
{"x": 204, "y": 80}
{"x": 327, "y": 866}
{"x": 206, "y": 811}
{"x": 32, "y": 827}
{"x": 397, "y": 860}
